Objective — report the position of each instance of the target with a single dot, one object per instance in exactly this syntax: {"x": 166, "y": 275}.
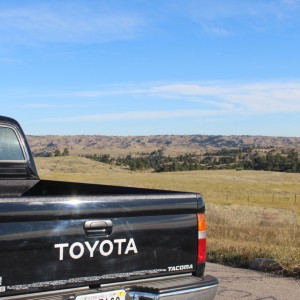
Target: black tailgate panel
{"x": 44, "y": 245}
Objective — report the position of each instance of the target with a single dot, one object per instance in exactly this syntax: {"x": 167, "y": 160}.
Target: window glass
{"x": 10, "y": 148}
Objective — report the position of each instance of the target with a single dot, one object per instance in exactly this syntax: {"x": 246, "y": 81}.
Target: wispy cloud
{"x": 9, "y": 60}
{"x": 97, "y": 21}
{"x": 213, "y": 29}
{"x": 226, "y": 18}
{"x": 109, "y": 92}
{"x": 290, "y": 2}
{"x": 263, "y": 97}
{"x": 198, "y": 99}
{"x": 63, "y": 22}
{"x": 136, "y": 115}
{"x": 255, "y": 97}
{"x": 51, "y": 106}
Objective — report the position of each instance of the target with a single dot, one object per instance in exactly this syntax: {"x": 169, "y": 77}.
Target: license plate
{"x": 111, "y": 295}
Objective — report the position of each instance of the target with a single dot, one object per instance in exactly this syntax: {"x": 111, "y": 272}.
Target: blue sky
{"x": 143, "y": 67}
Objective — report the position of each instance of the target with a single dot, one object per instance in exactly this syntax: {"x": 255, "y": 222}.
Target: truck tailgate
{"x": 60, "y": 242}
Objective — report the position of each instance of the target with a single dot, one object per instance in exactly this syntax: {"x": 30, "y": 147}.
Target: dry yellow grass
{"x": 238, "y": 234}
{"x": 252, "y": 188}
{"x": 250, "y": 213}
{"x": 73, "y": 165}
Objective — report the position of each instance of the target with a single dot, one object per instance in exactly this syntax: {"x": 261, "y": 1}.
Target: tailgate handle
{"x": 98, "y": 227}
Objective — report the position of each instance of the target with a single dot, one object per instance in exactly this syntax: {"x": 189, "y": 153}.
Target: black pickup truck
{"x": 74, "y": 241}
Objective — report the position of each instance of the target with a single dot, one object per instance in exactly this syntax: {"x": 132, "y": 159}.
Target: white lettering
{"x": 131, "y": 246}
{"x": 91, "y": 249}
{"x": 79, "y": 254}
{"x": 110, "y": 250}
{"x": 180, "y": 268}
{"x": 106, "y": 248}
{"x": 61, "y": 249}
{"x": 120, "y": 242}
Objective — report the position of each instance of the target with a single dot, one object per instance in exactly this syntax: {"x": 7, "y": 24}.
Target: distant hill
{"x": 172, "y": 144}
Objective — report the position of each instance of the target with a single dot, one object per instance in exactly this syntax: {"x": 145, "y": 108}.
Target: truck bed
{"x": 60, "y": 235}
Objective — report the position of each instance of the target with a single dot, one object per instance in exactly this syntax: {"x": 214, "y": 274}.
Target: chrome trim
{"x": 145, "y": 280}
{"x": 14, "y": 161}
{"x": 206, "y": 292}
{"x": 197, "y": 292}
{"x": 59, "y": 293}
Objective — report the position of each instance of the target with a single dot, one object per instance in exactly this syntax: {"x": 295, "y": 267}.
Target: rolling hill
{"x": 172, "y": 144}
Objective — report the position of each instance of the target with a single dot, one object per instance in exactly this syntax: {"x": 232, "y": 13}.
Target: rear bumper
{"x": 181, "y": 288}
{"x": 186, "y": 287}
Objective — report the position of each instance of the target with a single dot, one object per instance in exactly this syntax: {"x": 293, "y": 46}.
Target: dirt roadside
{"x": 251, "y": 285}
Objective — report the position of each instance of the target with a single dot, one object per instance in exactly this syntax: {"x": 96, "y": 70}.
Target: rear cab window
{"x": 10, "y": 148}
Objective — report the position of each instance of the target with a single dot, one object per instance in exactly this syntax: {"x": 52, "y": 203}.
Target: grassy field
{"x": 250, "y": 214}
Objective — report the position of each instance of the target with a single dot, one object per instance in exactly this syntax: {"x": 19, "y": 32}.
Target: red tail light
{"x": 201, "y": 238}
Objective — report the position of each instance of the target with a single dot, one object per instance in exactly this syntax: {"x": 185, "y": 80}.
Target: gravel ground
{"x": 251, "y": 285}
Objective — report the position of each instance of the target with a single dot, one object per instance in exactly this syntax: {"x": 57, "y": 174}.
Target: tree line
{"x": 244, "y": 158}
{"x": 55, "y": 152}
